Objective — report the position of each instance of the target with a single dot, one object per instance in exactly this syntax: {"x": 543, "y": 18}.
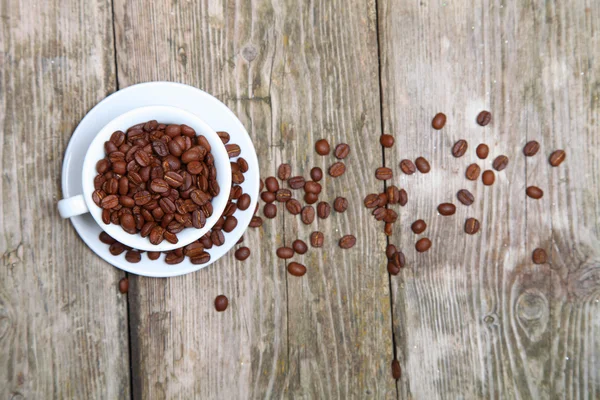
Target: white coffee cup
{"x": 83, "y": 203}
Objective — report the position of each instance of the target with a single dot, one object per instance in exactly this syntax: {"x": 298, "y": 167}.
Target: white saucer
{"x": 191, "y": 99}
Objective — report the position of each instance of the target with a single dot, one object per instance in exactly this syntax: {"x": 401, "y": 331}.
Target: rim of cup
{"x": 166, "y": 115}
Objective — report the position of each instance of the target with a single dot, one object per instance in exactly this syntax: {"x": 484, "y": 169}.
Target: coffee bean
{"x": 316, "y": 239}
{"x": 383, "y": 173}
{"x": 297, "y": 182}
{"x": 221, "y": 303}
{"x": 272, "y": 184}
{"x": 390, "y": 250}
{"x": 224, "y": 136}
{"x": 422, "y": 165}
{"x": 471, "y": 226}
{"x": 393, "y": 269}
{"x": 293, "y": 206}
{"x": 379, "y": 213}
{"x": 337, "y": 169}
{"x": 482, "y": 151}
{"x": 390, "y": 216}
{"x": 531, "y": 148}
{"x": 299, "y": 246}
{"x": 102, "y": 166}
{"x": 312, "y": 187}
{"x": 423, "y": 245}
{"x": 446, "y": 209}
{"x": 244, "y": 201}
{"x": 270, "y": 211}
{"x": 322, "y": 147}
{"x": 340, "y": 204}
{"x": 460, "y": 148}
{"x": 133, "y": 256}
{"x": 386, "y": 140}
{"x": 156, "y": 235}
{"x": 242, "y": 253}
{"x": 396, "y": 370}
{"x": 284, "y": 171}
{"x": 153, "y": 255}
{"x": 388, "y": 228}
{"x": 323, "y": 210}
{"x": 296, "y": 269}
{"x": 383, "y": 199}
{"x": 217, "y": 237}
{"x": 316, "y": 174}
{"x": 465, "y": 197}
{"x": 201, "y": 259}
{"x": 534, "y": 192}
{"x": 128, "y": 223}
{"x": 403, "y": 197}
{"x": 539, "y": 256}
{"x": 106, "y": 238}
{"x": 311, "y": 198}
{"x": 159, "y": 186}
{"x": 438, "y": 121}
{"x": 418, "y": 226}
{"x": 488, "y": 177}
{"x": 116, "y": 248}
{"x": 557, "y": 157}
{"x": 109, "y": 202}
{"x": 472, "y": 172}
{"x": 341, "y": 151}
{"x": 173, "y": 130}
{"x": 283, "y": 195}
{"x": 118, "y": 138}
{"x": 371, "y": 201}
{"x": 407, "y": 167}
{"x": 500, "y": 163}
{"x": 484, "y": 118}
{"x": 308, "y": 215}
{"x": 285, "y": 252}
{"x": 233, "y": 150}
{"x": 243, "y": 164}
{"x": 199, "y": 197}
{"x": 268, "y": 197}
{"x": 124, "y": 285}
{"x": 347, "y": 241}
{"x": 230, "y": 224}
{"x": 173, "y": 179}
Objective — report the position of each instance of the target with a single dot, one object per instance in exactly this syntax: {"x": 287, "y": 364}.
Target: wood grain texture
{"x": 63, "y": 324}
{"x": 474, "y": 317}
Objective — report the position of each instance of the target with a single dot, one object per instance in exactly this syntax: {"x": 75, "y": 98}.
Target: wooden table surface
{"x": 471, "y": 318}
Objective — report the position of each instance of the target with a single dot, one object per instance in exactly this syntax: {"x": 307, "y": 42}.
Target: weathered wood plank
{"x": 485, "y": 321}
{"x": 63, "y": 324}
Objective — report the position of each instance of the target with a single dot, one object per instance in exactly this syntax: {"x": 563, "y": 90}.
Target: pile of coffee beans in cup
{"x": 156, "y": 180}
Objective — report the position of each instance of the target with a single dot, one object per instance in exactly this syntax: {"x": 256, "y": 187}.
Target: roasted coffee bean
{"x": 488, "y": 177}
{"x": 236, "y": 192}
{"x": 272, "y": 184}
{"x": 299, "y": 246}
{"x": 106, "y": 238}
{"x": 126, "y": 201}
{"x": 217, "y": 237}
{"x": 118, "y": 138}
{"x": 472, "y": 172}
{"x": 422, "y": 165}
{"x": 383, "y": 173}
{"x": 316, "y": 239}
{"x": 383, "y": 199}
{"x": 465, "y": 197}
{"x": 539, "y": 256}
{"x": 471, "y": 226}
{"x": 221, "y": 303}
{"x": 438, "y": 121}
{"x": 256, "y": 222}
{"x": 199, "y": 197}
{"x": 322, "y": 147}
{"x": 109, "y": 147}
{"x": 308, "y": 215}
{"x": 386, "y": 140}
{"x": 198, "y": 219}
{"x": 393, "y": 269}
{"x": 224, "y": 137}
{"x": 147, "y": 228}
{"x": 111, "y": 186}
{"x": 403, "y": 197}
{"x": 340, "y": 204}
{"x": 244, "y": 202}
{"x": 316, "y": 174}
{"x": 283, "y": 195}
{"x": 102, "y": 166}
{"x": 379, "y": 213}
{"x": 500, "y": 163}
{"x": 124, "y": 284}
{"x": 230, "y": 209}
{"x": 337, "y": 169}
{"x": 230, "y": 224}
{"x": 297, "y": 182}
{"x": 390, "y": 216}
{"x": 407, "y": 167}
{"x": 97, "y": 197}
{"x": 388, "y": 228}
{"x": 242, "y": 253}
{"x": 133, "y": 256}
{"x": 446, "y": 209}
{"x": 460, "y": 148}
{"x": 233, "y": 150}
{"x": 243, "y": 164}
{"x": 173, "y": 130}
{"x": 173, "y": 179}
{"x": 285, "y": 252}
{"x": 284, "y": 171}
{"x": 167, "y": 205}
{"x": 341, "y": 151}
{"x": 172, "y": 258}
{"x": 106, "y": 216}
{"x": 312, "y": 187}
{"x": 531, "y": 148}
{"x": 534, "y": 192}
{"x": 196, "y": 167}
{"x": 484, "y": 118}
{"x": 296, "y": 269}
{"x": 142, "y": 158}
{"x": 390, "y": 250}
{"x": 203, "y": 258}
{"x": 268, "y": 197}
{"x": 423, "y": 245}
{"x": 156, "y": 235}
{"x": 371, "y": 201}
{"x": 482, "y": 151}
{"x": 99, "y": 181}
{"x": 293, "y": 206}
{"x": 347, "y": 241}
{"x": 418, "y": 226}
{"x": 323, "y": 210}
{"x": 153, "y": 255}
{"x": 219, "y": 224}
{"x": 396, "y": 370}
{"x": 159, "y": 186}
{"x": 557, "y": 157}
{"x": 195, "y": 153}
{"x": 109, "y": 202}
{"x": 270, "y": 210}
{"x": 311, "y": 198}
{"x": 116, "y": 248}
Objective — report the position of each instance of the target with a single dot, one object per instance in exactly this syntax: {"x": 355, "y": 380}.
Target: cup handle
{"x": 72, "y": 206}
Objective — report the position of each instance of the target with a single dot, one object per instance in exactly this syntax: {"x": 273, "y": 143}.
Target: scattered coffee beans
{"x": 267, "y": 197}
{"x": 284, "y": 171}
{"x": 423, "y": 245}
{"x": 256, "y": 222}
{"x": 272, "y": 184}
{"x": 465, "y": 197}
{"x": 422, "y": 165}
{"x": 388, "y": 228}
{"x": 471, "y": 226}
{"x": 322, "y": 147}
{"x": 460, "y": 148}
{"x": 242, "y": 253}
{"x": 293, "y": 206}
{"x": 557, "y": 157}
{"x": 297, "y": 182}
{"x": 312, "y": 187}
{"x": 124, "y": 285}
{"x": 299, "y": 246}
{"x": 438, "y": 121}
{"x": 390, "y": 250}
{"x": 316, "y": 239}
{"x": 270, "y": 210}
{"x": 337, "y": 169}
{"x": 323, "y": 210}
{"x": 531, "y": 148}
{"x": 316, "y": 174}
{"x": 371, "y": 201}
{"x": 484, "y": 118}
{"x": 446, "y": 209}
{"x": 403, "y": 197}
{"x": 311, "y": 198}
{"x": 340, "y": 204}
{"x": 347, "y": 242}
{"x": 407, "y": 167}
{"x": 500, "y": 163}
{"x": 396, "y": 370}
{"x": 285, "y": 252}
{"x": 418, "y": 226}
{"x": 283, "y": 195}
{"x": 488, "y": 177}
{"x": 539, "y": 256}
{"x": 472, "y": 172}
{"x": 534, "y": 192}
{"x": 482, "y": 151}
{"x": 308, "y": 215}
{"x": 386, "y": 140}
{"x": 341, "y": 151}
{"x": 383, "y": 173}
{"x": 296, "y": 269}
{"x": 393, "y": 269}
{"x": 221, "y": 303}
